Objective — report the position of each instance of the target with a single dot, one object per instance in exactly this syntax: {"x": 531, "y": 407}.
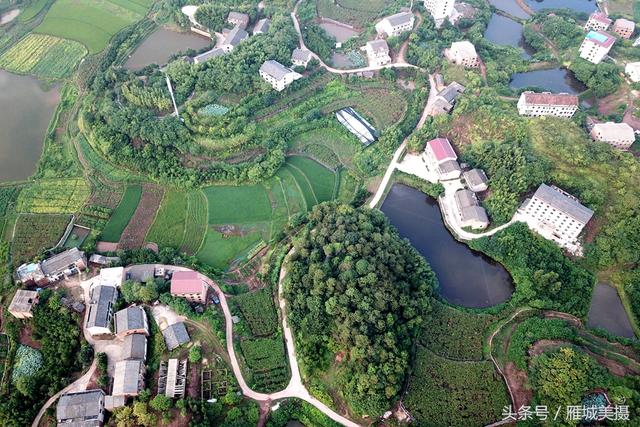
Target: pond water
{"x": 586, "y": 6}
{"x": 506, "y": 32}
{"x": 511, "y": 7}
{"x": 163, "y": 43}
{"x": 607, "y": 312}
{"x": 552, "y": 80}
{"x": 339, "y": 32}
{"x": 24, "y": 124}
{"x": 466, "y": 278}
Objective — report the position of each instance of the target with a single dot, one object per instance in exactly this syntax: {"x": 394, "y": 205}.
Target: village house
{"x": 595, "y": 46}
{"x": 439, "y": 156}
{"x": 22, "y": 304}
{"x": 110, "y": 277}
{"x": 462, "y": 53}
{"x": 618, "y": 135}
{"x": 633, "y": 71}
{"x": 462, "y": 11}
{"x": 210, "y": 54}
{"x": 470, "y": 213}
{"x": 58, "y": 267}
{"x": 97, "y": 260}
{"x": 555, "y": 214}
{"x": 128, "y": 379}
{"x": 300, "y": 57}
{"x": 233, "y": 39}
{"x": 598, "y": 21}
{"x": 357, "y": 125}
{"x": 101, "y": 302}
{"x": 189, "y": 285}
{"x": 533, "y": 104}
{"x": 446, "y": 99}
{"x": 131, "y": 320}
{"x": 624, "y": 28}
{"x": 395, "y": 25}
{"x": 172, "y": 380}
{"x": 440, "y": 10}
{"x": 476, "y": 180}
{"x": 277, "y": 75}
{"x": 262, "y": 26}
{"x": 238, "y": 19}
{"x": 377, "y": 53}
{"x": 175, "y": 335}
{"x": 82, "y": 409}
{"x": 134, "y": 347}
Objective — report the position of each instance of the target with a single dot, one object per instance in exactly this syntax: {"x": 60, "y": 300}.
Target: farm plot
{"x": 60, "y": 196}
{"x": 385, "y": 106}
{"x": 220, "y": 249}
{"x": 91, "y": 23}
{"x": 134, "y": 233}
{"x": 169, "y": 225}
{"x": 354, "y": 12}
{"x": 34, "y": 233}
{"x": 237, "y": 205}
{"x": 7, "y": 197}
{"x": 331, "y": 146}
{"x": 321, "y": 179}
{"x": 196, "y": 222}
{"x": 44, "y": 56}
{"x": 258, "y": 310}
{"x": 122, "y": 214}
{"x": 266, "y": 358}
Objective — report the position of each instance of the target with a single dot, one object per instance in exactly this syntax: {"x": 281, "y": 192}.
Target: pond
{"x": 341, "y": 33}
{"x": 24, "y": 125}
{"x": 507, "y": 32}
{"x": 586, "y": 6}
{"x": 607, "y": 312}
{"x": 163, "y": 43}
{"x": 511, "y": 7}
{"x": 553, "y": 80}
{"x": 466, "y": 278}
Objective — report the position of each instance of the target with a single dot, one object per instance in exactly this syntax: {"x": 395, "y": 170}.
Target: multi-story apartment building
{"x": 598, "y": 21}
{"x": 439, "y": 9}
{"x": 377, "y": 53}
{"x": 440, "y": 157}
{"x": 618, "y": 135}
{"x": 395, "y": 25}
{"x": 277, "y": 75}
{"x": 596, "y": 45}
{"x": 189, "y": 285}
{"x": 463, "y": 53}
{"x": 547, "y": 104}
{"x": 624, "y": 28}
{"x": 300, "y": 57}
{"x": 555, "y": 214}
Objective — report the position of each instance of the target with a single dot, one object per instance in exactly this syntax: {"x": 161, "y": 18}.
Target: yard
{"x": 65, "y": 195}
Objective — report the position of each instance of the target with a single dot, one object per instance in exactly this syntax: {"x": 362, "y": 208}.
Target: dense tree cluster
{"x": 356, "y": 289}
{"x": 213, "y": 16}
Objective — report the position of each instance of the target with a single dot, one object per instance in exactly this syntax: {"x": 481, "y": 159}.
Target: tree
{"x": 195, "y": 354}
{"x": 161, "y": 403}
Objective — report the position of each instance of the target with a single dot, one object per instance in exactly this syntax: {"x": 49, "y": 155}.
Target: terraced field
{"x": 44, "y": 56}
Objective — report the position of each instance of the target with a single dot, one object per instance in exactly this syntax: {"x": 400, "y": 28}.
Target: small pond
{"x": 553, "y": 80}
{"x": 607, "y": 312}
{"x": 466, "y": 278}
{"x": 586, "y": 6}
{"x": 511, "y": 7}
{"x": 23, "y": 125}
{"x": 340, "y": 32}
{"x": 507, "y": 32}
{"x": 163, "y": 43}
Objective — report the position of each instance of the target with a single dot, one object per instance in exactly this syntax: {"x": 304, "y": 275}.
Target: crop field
{"x": 266, "y": 359}
{"x": 446, "y": 393}
{"x": 136, "y": 230}
{"x": 354, "y": 12}
{"x": 122, "y": 214}
{"x": 220, "y": 250}
{"x": 7, "y": 197}
{"x": 258, "y": 310}
{"x": 44, "y": 56}
{"x": 30, "y": 12}
{"x": 169, "y": 225}
{"x": 34, "y": 233}
{"x": 91, "y": 23}
{"x": 196, "y": 222}
{"x": 385, "y": 106}
{"x": 60, "y": 196}
{"x": 348, "y": 186}
{"x": 237, "y": 205}
{"x": 321, "y": 179}
{"x": 332, "y": 146}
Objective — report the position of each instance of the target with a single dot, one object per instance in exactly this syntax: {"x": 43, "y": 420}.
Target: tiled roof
{"x": 547, "y": 98}
{"x": 600, "y": 17}
{"x": 300, "y": 54}
{"x": 262, "y": 26}
{"x": 134, "y": 347}
{"x": 102, "y": 300}
{"x": 563, "y": 202}
{"x": 80, "y": 406}
{"x": 187, "y": 282}
{"x": 205, "y": 56}
{"x": 465, "y": 198}
{"x": 275, "y": 69}
{"x": 378, "y": 46}
{"x": 475, "y": 177}
{"x": 475, "y": 212}
{"x": 58, "y": 263}
{"x": 401, "y": 18}
{"x": 235, "y": 36}
{"x": 175, "y": 335}
{"x": 442, "y": 149}
{"x": 130, "y": 319}
{"x": 126, "y": 379}
{"x": 238, "y": 16}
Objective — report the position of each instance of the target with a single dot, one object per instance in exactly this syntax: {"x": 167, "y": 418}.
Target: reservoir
{"x": 161, "y": 44}
{"x": 511, "y": 7}
{"x": 466, "y": 278}
{"x": 23, "y": 125}
{"x": 607, "y": 312}
{"x": 506, "y": 32}
{"x": 552, "y": 80}
{"x": 585, "y": 6}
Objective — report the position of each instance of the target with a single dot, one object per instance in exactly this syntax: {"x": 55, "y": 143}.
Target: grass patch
{"x": 66, "y": 195}
{"x": 218, "y": 250}
{"x": 44, "y": 56}
{"x": 354, "y": 12}
{"x": 31, "y": 11}
{"x": 122, "y": 214}
{"x": 90, "y": 23}
{"x": 169, "y": 226}
{"x": 34, "y": 233}
{"x": 237, "y": 205}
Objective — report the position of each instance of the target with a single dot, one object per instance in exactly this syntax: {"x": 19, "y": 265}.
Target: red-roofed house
{"x": 440, "y": 156}
{"x": 624, "y": 28}
{"x": 189, "y": 285}
{"x": 598, "y": 21}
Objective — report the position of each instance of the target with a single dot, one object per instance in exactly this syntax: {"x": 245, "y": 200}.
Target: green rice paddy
{"x": 122, "y": 214}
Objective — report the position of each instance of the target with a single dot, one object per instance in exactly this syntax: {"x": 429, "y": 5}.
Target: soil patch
{"x": 230, "y": 230}
{"x": 518, "y": 381}
{"x": 106, "y": 247}
{"x": 26, "y": 338}
{"x": 135, "y": 232}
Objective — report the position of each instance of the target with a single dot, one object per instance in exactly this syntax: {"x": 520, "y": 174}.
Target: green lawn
{"x": 238, "y": 205}
{"x": 169, "y": 225}
{"x": 122, "y": 214}
{"x": 91, "y": 23}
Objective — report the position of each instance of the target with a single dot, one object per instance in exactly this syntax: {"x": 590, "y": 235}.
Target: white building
{"x": 233, "y": 39}
{"x": 238, "y": 19}
{"x": 624, "y": 28}
{"x": 618, "y": 135}
{"x": 476, "y": 180}
{"x": 439, "y": 9}
{"x": 395, "y": 25}
{"x": 470, "y": 213}
{"x": 463, "y": 53}
{"x": 598, "y": 21}
{"x": 555, "y": 215}
{"x": 210, "y": 54}
{"x": 262, "y": 26}
{"x": 277, "y": 75}
{"x": 102, "y": 299}
{"x": 440, "y": 157}
{"x": 300, "y": 57}
{"x": 111, "y": 276}
{"x": 633, "y": 71}
{"x": 377, "y": 53}
{"x": 547, "y": 104}
{"x": 596, "y": 45}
